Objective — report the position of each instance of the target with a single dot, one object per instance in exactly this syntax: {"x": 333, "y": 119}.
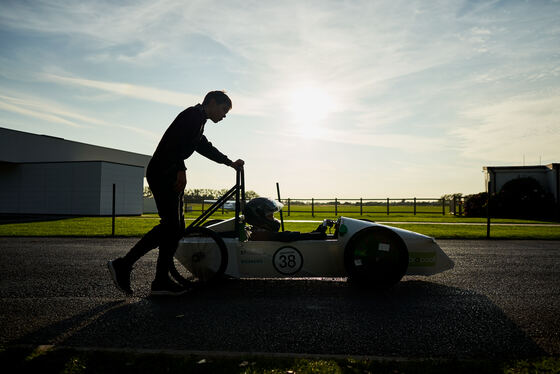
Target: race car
{"x": 365, "y": 252}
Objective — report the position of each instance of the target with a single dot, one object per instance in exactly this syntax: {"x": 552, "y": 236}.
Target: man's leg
{"x": 121, "y": 268}
{"x": 173, "y": 227}
{"x": 148, "y": 242}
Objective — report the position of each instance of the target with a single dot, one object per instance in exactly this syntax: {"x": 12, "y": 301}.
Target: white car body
{"x": 312, "y": 258}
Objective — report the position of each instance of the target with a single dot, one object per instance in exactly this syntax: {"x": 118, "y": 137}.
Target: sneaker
{"x": 120, "y": 273}
{"x": 167, "y": 288}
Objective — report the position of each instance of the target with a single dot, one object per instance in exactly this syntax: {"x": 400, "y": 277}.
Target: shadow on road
{"x": 414, "y": 319}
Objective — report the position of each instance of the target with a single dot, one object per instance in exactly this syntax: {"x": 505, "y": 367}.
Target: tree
{"x": 518, "y": 198}
{"x": 251, "y": 195}
{"x": 452, "y": 196}
{"x": 475, "y": 205}
{"x": 200, "y": 194}
{"x": 523, "y": 198}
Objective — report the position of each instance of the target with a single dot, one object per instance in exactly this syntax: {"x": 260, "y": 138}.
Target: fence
{"x": 360, "y": 206}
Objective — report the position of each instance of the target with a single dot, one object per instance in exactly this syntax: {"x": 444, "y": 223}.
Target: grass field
{"x": 397, "y": 212}
{"x": 436, "y": 225}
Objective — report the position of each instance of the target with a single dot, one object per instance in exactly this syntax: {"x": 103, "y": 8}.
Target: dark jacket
{"x": 183, "y": 137}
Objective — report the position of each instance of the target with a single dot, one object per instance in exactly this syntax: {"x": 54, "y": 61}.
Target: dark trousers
{"x": 167, "y": 233}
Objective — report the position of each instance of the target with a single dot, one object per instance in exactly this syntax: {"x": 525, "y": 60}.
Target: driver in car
{"x": 259, "y": 213}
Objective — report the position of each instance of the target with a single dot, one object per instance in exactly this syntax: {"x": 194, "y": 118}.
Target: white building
{"x": 548, "y": 177}
{"x": 42, "y": 174}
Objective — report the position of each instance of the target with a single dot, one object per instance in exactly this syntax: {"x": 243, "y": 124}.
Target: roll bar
{"x": 238, "y": 190}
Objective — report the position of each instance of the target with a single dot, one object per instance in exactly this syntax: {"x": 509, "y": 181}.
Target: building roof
{"x": 23, "y": 147}
{"x": 529, "y": 167}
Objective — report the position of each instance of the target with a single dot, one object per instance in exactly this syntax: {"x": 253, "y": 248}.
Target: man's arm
{"x": 206, "y": 149}
{"x": 181, "y": 181}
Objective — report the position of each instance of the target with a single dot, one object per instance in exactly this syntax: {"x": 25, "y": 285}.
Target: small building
{"x": 548, "y": 177}
{"x": 42, "y": 174}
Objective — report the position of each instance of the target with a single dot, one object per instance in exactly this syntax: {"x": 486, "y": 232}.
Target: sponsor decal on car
{"x": 421, "y": 259}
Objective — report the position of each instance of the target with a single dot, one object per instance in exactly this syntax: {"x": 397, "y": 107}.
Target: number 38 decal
{"x": 287, "y": 260}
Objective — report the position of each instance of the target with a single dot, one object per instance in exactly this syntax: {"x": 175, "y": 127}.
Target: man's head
{"x": 216, "y": 105}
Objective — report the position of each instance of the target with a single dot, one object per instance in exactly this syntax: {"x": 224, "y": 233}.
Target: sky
{"x": 344, "y": 99}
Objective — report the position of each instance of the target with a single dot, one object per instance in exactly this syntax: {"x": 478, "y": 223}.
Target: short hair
{"x": 219, "y": 97}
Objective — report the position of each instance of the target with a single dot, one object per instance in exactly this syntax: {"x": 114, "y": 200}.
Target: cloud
{"x": 368, "y": 137}
{"x": 40, "y": 115}
{"x": 51, "y": 112}
{"x": 355, "y": 44}
{"x": 126, "y": 89}
{"x": 367, "y": 55}
{"x": 350, "y": 47}
{"x": 506, "y": 130}
{"x": 480, "y": 31}
{"x": 104, "y": 22}
{"x": 337, "y": 42}
{"x": 244, "y": 105}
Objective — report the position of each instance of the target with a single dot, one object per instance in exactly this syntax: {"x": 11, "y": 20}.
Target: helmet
{"x": 259, "y": 212}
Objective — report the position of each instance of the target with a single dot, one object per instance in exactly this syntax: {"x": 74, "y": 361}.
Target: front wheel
{"x": 201, "y": 257}
{"x": 376, "y": 257}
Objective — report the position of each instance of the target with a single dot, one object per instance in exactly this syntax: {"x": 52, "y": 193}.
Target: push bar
{"x": 238, "y": 190}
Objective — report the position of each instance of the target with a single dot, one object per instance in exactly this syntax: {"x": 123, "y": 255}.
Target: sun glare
{"x": 309, "y": 106}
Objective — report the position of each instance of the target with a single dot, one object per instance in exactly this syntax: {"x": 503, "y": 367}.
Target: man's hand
{"x": 237, "y": 164}
{"x": 181, "y": 181}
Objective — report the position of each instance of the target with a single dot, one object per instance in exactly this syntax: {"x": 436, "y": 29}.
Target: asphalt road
{"x": 501, "y": 300}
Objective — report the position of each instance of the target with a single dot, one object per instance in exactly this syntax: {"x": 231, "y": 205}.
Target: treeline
{"x": 199, "y": 194}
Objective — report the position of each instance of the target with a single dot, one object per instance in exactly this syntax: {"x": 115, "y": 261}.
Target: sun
{"x": 309, "y": 106}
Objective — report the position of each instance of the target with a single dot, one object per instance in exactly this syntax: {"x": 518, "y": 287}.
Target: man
{"x": 167, "y": 179}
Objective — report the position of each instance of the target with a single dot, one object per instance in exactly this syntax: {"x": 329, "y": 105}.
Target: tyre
{"x": 376, "y": 257}
{"x": 204, "y": 259}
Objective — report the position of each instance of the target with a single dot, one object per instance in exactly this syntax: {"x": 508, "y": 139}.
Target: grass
{"x": 479, "y": 232}
{"x": 138, "y": 226}
{"x": 66, "y": 361}
{"x": 82, "y": 226}
{"x": 378, "y": 217}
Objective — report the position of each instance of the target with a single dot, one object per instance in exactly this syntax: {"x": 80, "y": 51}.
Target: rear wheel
{"x": 376, "y": 257}
{"x": 201, "y": 258}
